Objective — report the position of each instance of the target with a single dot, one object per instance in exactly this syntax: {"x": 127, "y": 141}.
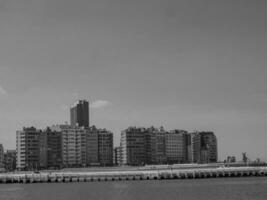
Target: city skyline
{"x": 178, "y": 64}
{"x": 61, "y": 146}
{"x": 81, "y": 117}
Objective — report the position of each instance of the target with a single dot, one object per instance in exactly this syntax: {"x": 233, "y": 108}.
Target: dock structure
{"x": 64, "y": 177}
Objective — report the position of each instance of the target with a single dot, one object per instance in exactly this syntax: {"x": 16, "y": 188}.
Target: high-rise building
{"x": 99, "y": 147}
{"x": 159, "y": 156}
{"x": 92, "y": 146}
{"x": 28, "y": 148}
{"x": 43, "y": 150}
{"x": 188, "y": 144}
{"x": 141, "y": 146}
{"x": 36, "y": 149}
{"x": 133, "y": 146}
{"x": 79, "y": 114}
{"x": 1, "y": 156}
{"x": 155, "y": 146}
{"x": 51, "y": 149}
{"x": 204, "y": 147}
{"x": 176, "y": 149}
{"x": 105, "y": 147}
{"x": 10, "y": 160}
{"x": 73, "y": 145}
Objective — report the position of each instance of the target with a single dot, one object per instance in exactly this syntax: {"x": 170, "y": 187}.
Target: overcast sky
{"x": 194, "y": 65}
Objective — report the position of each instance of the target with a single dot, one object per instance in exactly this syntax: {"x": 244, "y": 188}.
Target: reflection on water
{"x": 199, "y": 189}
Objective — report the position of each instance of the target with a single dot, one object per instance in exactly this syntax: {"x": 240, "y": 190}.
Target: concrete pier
{"x": 131, "y": 175}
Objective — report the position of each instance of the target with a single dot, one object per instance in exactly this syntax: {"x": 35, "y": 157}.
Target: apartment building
{"x": 73, "y": 145}
{"x": 176, "y": 149}
{"x": 204, "y": 147}
{"x": 28, "y": 149}
{"x": 133, "y": 146}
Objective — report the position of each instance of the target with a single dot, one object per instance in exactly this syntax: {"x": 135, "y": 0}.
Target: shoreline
{"x": 130, "y": 175}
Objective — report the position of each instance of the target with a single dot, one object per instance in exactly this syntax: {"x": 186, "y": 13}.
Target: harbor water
{"x": 242, "y": 188}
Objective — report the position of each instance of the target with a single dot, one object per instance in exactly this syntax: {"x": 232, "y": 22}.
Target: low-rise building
{"x": 231, "y": 159}
{"x": 10, "y": 160}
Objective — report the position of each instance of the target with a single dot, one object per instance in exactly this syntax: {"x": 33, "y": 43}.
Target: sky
{"x": 182, "y": 64}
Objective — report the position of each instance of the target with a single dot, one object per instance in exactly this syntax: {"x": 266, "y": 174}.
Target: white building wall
{"x": 74, "y": 145}
{"x": 20, "y": 150}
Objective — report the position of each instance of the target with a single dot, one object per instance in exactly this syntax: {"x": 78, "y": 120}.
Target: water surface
{"x": 251, "y": 188}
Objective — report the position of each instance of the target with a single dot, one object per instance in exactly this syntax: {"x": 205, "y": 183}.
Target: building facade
{"x": 63, "y": 146}
{"x": 133, "y": 146}
{"x": 99, "y": 147}
{"x": 51, "y": 149}
{"x": 105, "y": 147}
{"x": 10, "y": 160}
{"x": 28, "y": 149}
{"x": 73, "y": 145}
{"x": 176, "y": 149}
{"x": 155, "y": 146}
{"x": 117, "y": 159}
{"x": 79, "y": 114}
{"x": 92, "y": 158}
{"x": 188, "y": 143}
{"x": 1, "y": 156}
{"x": 160, "y": 156}
{"x": 140, "y": 146}
{"x": 204, "y": 147}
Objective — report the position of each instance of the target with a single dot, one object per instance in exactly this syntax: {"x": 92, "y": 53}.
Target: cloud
{"x": 2, "y": 91}
{"x": 100, "y": 104}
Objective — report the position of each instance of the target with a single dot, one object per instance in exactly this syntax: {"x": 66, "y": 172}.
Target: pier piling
{"x": 58, "y": 177}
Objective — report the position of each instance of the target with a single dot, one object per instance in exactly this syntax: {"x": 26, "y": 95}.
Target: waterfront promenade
{"x": 142, "y": 173}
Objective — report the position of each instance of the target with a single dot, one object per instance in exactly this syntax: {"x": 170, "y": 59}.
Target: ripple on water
{"x": 198, "y": 189}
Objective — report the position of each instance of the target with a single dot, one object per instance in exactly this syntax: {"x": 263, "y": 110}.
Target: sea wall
{"x": 59, "y": 177}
